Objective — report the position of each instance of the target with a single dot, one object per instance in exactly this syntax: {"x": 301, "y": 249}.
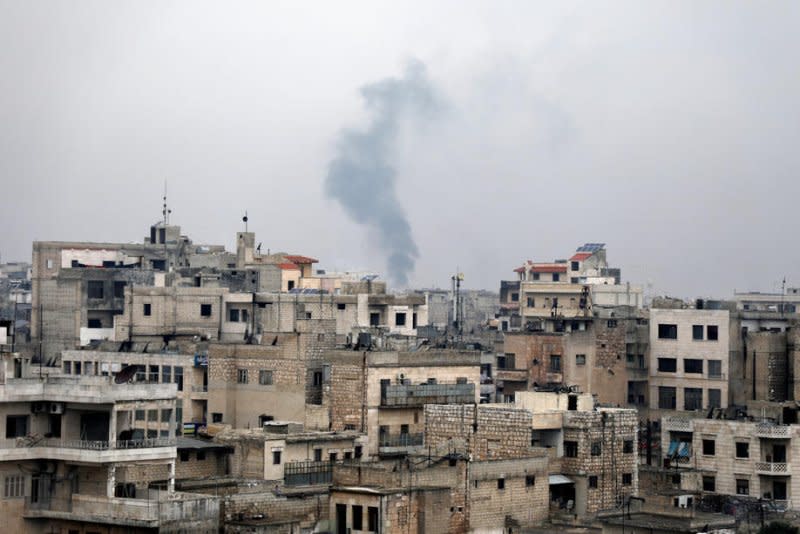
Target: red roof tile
{"x": 289, "y": 266}
{"x": 301, "y": 260}
{"x": 580, "y": 256}
{"x": 548, "y": 268}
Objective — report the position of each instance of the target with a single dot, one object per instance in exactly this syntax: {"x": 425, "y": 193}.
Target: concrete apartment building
{"x": 739, "y": 457}
{"x": 384, "y": 394}
{"x": 79, "y": 452}
{"x": 689, "y": 359}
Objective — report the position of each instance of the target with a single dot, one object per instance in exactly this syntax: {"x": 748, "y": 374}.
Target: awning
{"x": 559, "y": 479}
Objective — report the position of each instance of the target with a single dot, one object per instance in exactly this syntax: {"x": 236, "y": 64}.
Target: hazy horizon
{"x": 666, "y": 130}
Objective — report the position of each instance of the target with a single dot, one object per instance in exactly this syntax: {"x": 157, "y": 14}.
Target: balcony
{"x": 411, "y": 396}
{"x": 160, "y": 511}
{"x": 399, "y": 443}
{"x": 92, "y": 451}
{"x": 769, "y": 430}
{"x": 511, "y": 375}
{"x": 307, "y": 473}
{"x": 678, "y": 424}
{"x": 773, "y": 468}
{"x": 199, "y": 392}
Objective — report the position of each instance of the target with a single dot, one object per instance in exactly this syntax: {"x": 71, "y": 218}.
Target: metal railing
{"x": 680, "y": 424}
{"x": 419, "y": 395}
{"x": 307, "y": 473}
{"x": 84, "y": 444}
{"x": 401, "y": 440}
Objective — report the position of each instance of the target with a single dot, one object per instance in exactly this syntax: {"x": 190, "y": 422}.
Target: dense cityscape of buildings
{"x": 168, "y": 386}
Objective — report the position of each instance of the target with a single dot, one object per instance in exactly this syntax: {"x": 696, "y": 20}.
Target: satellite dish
{"x": 126, "y": 374}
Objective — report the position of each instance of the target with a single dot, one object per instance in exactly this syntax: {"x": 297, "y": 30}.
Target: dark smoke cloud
{"x": 362, "y": 178}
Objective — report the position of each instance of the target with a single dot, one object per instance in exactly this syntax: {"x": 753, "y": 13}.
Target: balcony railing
{"x": 200, "y": 389}
{"x": 84, "y": 444}
{"x": 678, "y": 424}
{"x": 401, "y": 440}
{"x": 773, "y": 468}
{"x": 769, "y": 430}
{"x": 407, "y": 395}
{"x": 307, "y": 473}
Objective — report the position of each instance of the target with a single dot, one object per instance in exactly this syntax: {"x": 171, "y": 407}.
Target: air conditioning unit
{"x": 56, "y": 408}
{"x": 39, "y": 407}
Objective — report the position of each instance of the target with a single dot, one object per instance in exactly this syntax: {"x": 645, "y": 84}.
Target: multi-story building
{"x": 738, "y": 457}
{"x": 689, "y": 359}
{"x": 83, "y": 453}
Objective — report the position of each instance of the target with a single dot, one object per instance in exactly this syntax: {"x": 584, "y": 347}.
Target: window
{"x": 358, "y": 451}
{"x": 317, "y": 455}
{"x": 571, "y": 449}
{"x": 556, "y": 277}
{"x": 166, "y": 374}
{"x": 201, "y": 455}
{"x": 593, "y": 482}
{"x": 666, "y": 397}
{"x": 166, "y": 415}
{"x": 514, "y": 297}
{"x": 184, "y": 456}
{"x": 667, "y": 331}
{"x": 742, "y": 486}
{"x": 697, "y": 332}
{"x": 691, "y": 365}
{"x": 216, "y": 417}
{"x": 152, "y": 416}
{"x": 501, "y": 483}
{"x": 14, "y": 486}
{"x": 372, "y": 519}
{"x": 742, "y": 449}
{"x": 580, "y": 359}
{"x": 332, "y": 457}
{"x": 233, "y": 315}
{"x": 627, "y": 446}
{"x": 714, "y": 398}
{"x": 574, "y": 266}
{"x": 119, "y": 289}
{"x": 400, "y": 319}
{"x": 49, "y": 264}
{"x": 535, "y": 276}
{"x": 67, "y": 367}
{"x": 555, "y": 363}
{"x": 94, "y": 289}
{"x": 531, "y": 302}
{"x": 709, "y": 483}
{"x": 341, "y": 306}
{"x": 611, "y": 323}
{"x": 692, "y": 398}
{"x": 712, "y": 332}
{"x": 667, "y": 365}
{"x": 178, "y": 377}
{"x": 709, "y": 447}
{"x": 530, "y": 480}
{"x": 139, "y": 415}
{"x": 146, "y": 309}
{"x": 205, "y": 310}
{"x": 358, "y": 517}
{"x": 16, "y": 426}
{"x": 95, "y": 323}
{"x": 265, "y": 377}
{"x": 374, "y": 319}
{"x": 627, "y": 479}
{"x": 276, "y": 457}
{"x": 597, "y": 448}
{"x": 714, "y": 368}
{"x": 241, "y": 376}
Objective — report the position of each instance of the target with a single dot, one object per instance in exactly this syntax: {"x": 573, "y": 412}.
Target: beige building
{"x": 77, "y": 451}
{"x": 736, "y": 457}
{"x": 689, "y": 357}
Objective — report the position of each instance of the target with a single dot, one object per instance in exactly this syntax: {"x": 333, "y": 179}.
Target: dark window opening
{"x": 205, "y": 310}
{"x": 374, "y": 319}
{"x": 709, "y": 447}
{"x": 95, "y": 323}
{"x": 697, "y": 332}
{"x": 709, "y": 483}
{"x": 530, "y": 480}
{"x": 276, "y": 457}
{"x": 667, "y": 331}
{"x": 742, "y": 450}
{"x": 667, "y": 365}
{"x": 358, "y": 517}
{"x": 147, "y": 310}
{"x": 400, "y": 319}
{"x": 692, "y": 366}
{"x": 94, "y": 289}
{"x": 119, "y": 289}
{"x": 597, "y": 448}
{"x": 712, "y": 332}
{"x": 501, "y": 483}
{"x": 593, "y": 482}
{"x": 571, "y": 449}
{"x": 627, "y": 479}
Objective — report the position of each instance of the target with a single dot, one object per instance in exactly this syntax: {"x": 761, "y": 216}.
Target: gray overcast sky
{"x": 667, "y": 130}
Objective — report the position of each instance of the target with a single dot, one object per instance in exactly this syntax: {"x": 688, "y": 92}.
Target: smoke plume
{"x": 361, "y": 176}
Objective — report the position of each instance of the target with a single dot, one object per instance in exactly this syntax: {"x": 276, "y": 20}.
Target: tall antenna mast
{"x": 244, "y": 219}
{"x": 165, "y": 211}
